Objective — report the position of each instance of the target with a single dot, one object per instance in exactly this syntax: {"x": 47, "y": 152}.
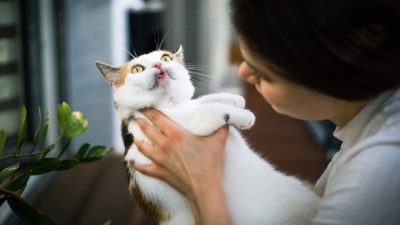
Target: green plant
{"x": 14, "y": 177}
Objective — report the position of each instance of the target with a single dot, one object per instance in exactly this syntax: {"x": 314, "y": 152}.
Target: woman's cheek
{"x": 263, "y": 89}
{"x": 273, "y": 94}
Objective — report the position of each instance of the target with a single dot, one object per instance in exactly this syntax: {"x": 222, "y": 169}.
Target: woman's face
{"x": 284, "y": 96}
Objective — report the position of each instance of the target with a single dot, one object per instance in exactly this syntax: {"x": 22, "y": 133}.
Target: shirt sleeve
{"x": 365, "y": 192}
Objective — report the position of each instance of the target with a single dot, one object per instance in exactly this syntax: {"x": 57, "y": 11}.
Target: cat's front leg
{"x": 224, "y": 98}
{"x": 210, "y": 117}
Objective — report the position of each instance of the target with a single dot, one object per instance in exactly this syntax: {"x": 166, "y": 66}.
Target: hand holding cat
{"x": 187, "y": 162}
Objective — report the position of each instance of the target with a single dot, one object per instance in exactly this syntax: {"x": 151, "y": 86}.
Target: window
{"x": 11, "y": 81}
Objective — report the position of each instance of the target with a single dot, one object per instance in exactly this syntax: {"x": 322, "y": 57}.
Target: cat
{"x": 256, "y": 192}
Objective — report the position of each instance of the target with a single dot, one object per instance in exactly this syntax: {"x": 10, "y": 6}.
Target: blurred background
{"x": 47, "y": 54}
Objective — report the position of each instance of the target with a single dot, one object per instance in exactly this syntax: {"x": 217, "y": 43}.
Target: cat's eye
{"x": 137, "y": 69}
{"x": 166, "y": 58}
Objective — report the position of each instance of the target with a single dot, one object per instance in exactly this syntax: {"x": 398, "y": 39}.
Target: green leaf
{"x": 46, "y": 127}
{"x": 82, "y": 151}
{"x": 46, "y": 220}
{"x": 21, "y": 129}
{"x": 63, "y": 110}
{"x": 71, "y": 123}
{"x": 67, "y": 164}
{"x": 2, "y": 200}
{"x": 108, "y": 222}
{"x": 3, "y": 137}
{"x": 20, "y": 182}
{"x": 46, "y": 150}
{"x": 6, "y": 172}
{"x": 24, "y": 211}
{"x": 95, "y": 153}
{"x": 98, "y": 151}
{"x": 45, "y": 165}
{"x": 21, "y": 190}
{"x": 37, "y": 133}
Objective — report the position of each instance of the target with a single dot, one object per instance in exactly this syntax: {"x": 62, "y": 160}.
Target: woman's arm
{"x": 191, "y": 164}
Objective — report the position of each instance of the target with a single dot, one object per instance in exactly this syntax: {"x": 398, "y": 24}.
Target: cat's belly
{"x": 250, "y": 182}
{"x": 269, "y": 196}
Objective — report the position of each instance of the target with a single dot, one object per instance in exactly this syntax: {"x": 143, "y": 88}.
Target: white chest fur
{"x": 256, "y": 193}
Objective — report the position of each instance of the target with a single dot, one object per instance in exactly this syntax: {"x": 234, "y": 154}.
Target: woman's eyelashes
{"x": 261, "y": 76}
{"x": 265, "y": 77}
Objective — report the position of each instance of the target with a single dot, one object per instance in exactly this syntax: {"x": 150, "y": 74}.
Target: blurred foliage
{"x": 14, "y": 177}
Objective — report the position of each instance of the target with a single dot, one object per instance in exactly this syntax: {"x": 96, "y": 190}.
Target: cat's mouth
{"x": 162, "y": 75}
{"x": 161, "y": 78}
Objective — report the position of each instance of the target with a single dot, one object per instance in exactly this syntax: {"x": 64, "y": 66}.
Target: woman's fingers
{"x": 151, "y": 170}
{"x": 149, "y": 151}
{"x": 222, "y": 132}
{"x": 152, "y": 133}
{"x": 154, "y": 155}
{"x": 161, "y": 121}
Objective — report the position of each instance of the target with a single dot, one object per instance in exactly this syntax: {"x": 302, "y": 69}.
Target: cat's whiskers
{"x": 162, "y": 40}
{"x": 196, "y": 68}
{"x": 200, "y": 79}
{"x": 200, "y": 84}
{"x": 130, "y": 54}
{"x": 157, "y": 41}
{"x": 134, "y": 55}
{"x": 200, "y": 75}
{"x": 197, "y": 65}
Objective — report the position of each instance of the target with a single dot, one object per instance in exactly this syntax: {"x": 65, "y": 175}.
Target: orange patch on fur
{"x": 125, "y": 69}
{"x": 154, "y": 210}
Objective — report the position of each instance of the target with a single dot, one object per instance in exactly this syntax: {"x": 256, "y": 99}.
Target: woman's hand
{"x": 189, "y": 163}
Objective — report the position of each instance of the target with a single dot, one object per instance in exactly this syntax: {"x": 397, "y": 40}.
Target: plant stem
{"x": 65, "y": 147}
{"x": 7, "y": 192}
{"x": 19, "y": 155}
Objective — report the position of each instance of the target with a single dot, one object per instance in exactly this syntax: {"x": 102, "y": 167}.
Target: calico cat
{"x": 256, "y": 193}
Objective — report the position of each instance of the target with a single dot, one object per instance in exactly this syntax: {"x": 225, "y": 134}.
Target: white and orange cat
{"x": 256, "y": 193}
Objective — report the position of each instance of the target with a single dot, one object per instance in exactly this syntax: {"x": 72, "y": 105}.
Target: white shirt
{"x": 361, "y": 185}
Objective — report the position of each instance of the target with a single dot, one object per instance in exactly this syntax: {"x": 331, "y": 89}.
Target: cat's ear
{"x": 179, "y": 53}
{"x": 110, "y": 73}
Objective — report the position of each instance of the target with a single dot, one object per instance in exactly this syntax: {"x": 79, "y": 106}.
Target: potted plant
{"x": 42, "y": 159}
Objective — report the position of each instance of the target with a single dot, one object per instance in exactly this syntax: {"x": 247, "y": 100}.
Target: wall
{"x": 88, "y": 38}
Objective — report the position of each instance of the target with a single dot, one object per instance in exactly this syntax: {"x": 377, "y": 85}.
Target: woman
{"x": 311, "y": 60}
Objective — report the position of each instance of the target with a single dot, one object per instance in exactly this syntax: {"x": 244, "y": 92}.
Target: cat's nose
{"x": 157, "y": 65}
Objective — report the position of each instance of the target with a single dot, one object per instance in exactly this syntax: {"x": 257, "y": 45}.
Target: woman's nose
{"x": 246, "y": 73}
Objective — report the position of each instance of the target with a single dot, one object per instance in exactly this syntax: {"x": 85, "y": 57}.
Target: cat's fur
{"x": 256, "y": 193}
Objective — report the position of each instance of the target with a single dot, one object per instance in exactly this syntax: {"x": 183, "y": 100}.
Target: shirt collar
{"x": 357, "y": 127}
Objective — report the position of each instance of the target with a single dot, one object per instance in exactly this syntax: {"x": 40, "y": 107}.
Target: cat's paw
{"x": 234, "y": 100}
{"x": 238, "y": 101}
{"x": 224, "y": 98}
{"x": 243, "y": 120}
{"x": 211, "y": 117}
{"x": 205, "y": 125}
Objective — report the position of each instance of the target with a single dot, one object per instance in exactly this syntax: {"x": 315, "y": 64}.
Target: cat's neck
{"x": 130, "y": 99}
{"x": 126, "y": 107}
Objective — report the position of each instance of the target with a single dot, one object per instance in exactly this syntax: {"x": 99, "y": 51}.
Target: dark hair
{"x": 349, "y": 49}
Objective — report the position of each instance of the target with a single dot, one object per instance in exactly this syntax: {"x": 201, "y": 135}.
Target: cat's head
{"x": 155, "y": 77}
